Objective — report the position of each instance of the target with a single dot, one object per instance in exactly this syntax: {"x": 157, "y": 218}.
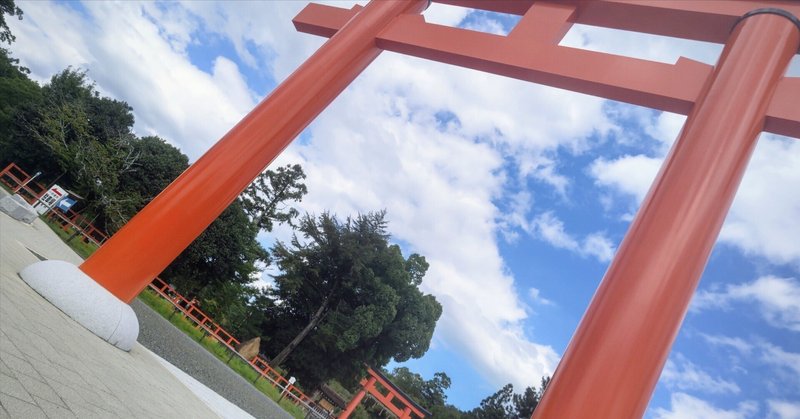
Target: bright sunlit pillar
{"x": 614, "y": 360}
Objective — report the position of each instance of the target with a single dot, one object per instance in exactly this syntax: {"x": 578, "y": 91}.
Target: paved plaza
{"x": 52, "y": 367}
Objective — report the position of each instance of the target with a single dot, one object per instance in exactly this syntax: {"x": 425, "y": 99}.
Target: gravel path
{"x": 161, "y": 337}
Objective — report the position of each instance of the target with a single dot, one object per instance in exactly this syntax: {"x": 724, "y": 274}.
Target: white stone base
{"x": 84, "y": 300}
{"x": 16, "y": 207}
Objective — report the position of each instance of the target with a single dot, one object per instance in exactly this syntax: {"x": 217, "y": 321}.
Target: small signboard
{"x": 65, "y": 204}
{"x": 50, "y": 199}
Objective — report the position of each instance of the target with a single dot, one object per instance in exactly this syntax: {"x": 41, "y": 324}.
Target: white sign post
{"x": 50, "y": 198}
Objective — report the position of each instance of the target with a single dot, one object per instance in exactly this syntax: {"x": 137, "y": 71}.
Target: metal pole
{"x": 614, "y": 360}
{"x": 127, "y": 262}
{"x": 27, "y": 182}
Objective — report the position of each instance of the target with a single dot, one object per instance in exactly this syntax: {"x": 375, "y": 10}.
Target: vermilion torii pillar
{"x": 164, "y": 228}
{"x": 615, "y": 357}
{"x": 96, "y": 294}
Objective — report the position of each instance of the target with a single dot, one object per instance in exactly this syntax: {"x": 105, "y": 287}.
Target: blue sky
{"x": 517, "y": 194}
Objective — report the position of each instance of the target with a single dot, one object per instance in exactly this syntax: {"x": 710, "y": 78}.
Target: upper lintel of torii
{"x": 531, "y": 51}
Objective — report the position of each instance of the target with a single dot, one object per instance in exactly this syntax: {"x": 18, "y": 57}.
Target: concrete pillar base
{"x": 84, "y": 300}
{"x": 16, "y": 207}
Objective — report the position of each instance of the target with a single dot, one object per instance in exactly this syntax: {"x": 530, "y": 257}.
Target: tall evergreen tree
{"x": 349, "y": 297}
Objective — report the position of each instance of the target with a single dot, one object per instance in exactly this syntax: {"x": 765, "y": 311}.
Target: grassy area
{"x": 166, "y": 309}
{"x": 76, "y": 243}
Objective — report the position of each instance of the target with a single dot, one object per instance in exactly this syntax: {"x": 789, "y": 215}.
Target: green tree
{"x": 525, "y": 403}
{"x": 156, "y": 164}
{"x": 428, "y": 393}
{"x": 352, "y": 296}
{"x": 497, "y": 406}
{"x": 7, "y": 7}
{"x": 266, "y": 200}
{"x": 505, "y": 404}
{"x": 227, "y": 251}
{"x": 258, "y": 305}
{"x": 63, "y": 135}
{"x": 17, "y": 92}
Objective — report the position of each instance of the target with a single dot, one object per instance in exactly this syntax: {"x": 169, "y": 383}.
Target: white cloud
{"x": 599, "y": 246}
{"x": 684, "y": 406}
{"x": 516, "y": 215}
{"x": 780, "y": 409}
{"x": 536, "y": 297}
{"x": 778, "y": 299}
{"x": 665, "y": 129}
{"x": 258, "y": 32}
{"x": 640, "y": 45}
{"x": 550, "y": 228}
{"x": 445, "y": 14}
{"x": 628, "y": 174}
{"x": 756, "y": 223}
{"x": 139, "y": 60}
{"x": 759, "y": 221}
{"x": 736, "y": 343}
{"x": 487, "y": 25}
{"x": 786, "y": 361}
{"x": 682, "y": 374}
{"x": 782, "y": 367}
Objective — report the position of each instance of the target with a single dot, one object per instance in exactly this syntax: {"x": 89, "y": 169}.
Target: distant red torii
{"x": 408, "y": 408}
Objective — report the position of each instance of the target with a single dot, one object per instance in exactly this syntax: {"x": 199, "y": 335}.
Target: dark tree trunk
{"x": 315, "y": 319}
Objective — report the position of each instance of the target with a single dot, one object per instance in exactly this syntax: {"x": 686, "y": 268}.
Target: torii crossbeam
{"x": 615, "y": 357}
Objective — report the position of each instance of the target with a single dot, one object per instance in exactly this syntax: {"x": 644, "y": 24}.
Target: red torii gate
{"x": 408, "y": 407}
{"x": 615, "y": 357}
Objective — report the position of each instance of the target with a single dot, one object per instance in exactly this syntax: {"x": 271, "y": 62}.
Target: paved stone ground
{"x": 52, "y": 367}
{"x": 164, "y": 339}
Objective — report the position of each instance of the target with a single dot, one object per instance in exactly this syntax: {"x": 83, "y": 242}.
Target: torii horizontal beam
{"x": 531, "y": 52}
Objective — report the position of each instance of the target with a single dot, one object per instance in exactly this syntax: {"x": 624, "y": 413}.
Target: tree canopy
{"x": 428, "y": 393}
{"x": 351, "y": 295}
{"x": 72, "y": 134}
{"x": 504, "y": 404}
{"x": 84, "y": 141}
{"x": 7, "y": 7}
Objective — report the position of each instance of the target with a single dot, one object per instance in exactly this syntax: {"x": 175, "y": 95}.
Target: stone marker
{"x": 17, "y": 208}
{"x": 249, "y": 349}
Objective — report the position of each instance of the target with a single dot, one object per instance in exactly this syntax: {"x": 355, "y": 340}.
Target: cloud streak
{"x": 777, "y": 298}
{"x": 684, "y": 406}
{"x": 682, "y": 374}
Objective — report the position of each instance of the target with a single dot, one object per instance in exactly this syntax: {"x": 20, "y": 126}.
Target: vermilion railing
{"x": 204, "y": 321}
{"x": 193, "y": 313}
{"x": 20, "y": 183}
{"x": 72, "y": 219}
